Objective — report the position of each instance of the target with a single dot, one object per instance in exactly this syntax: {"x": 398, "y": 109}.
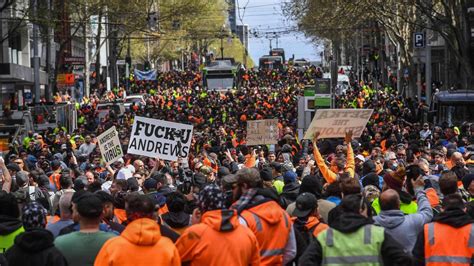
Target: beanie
{"x": 312, "y": 185}
{"x": 395, "y": 180}
{"x": 34, "y": 216}
{"x": 266, "y": 174}
{"x": 371, "y": 179}
{"x": 211, "y": 198}
{"x": 289, "y": 177}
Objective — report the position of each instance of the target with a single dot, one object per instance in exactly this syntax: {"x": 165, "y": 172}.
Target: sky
{"x": 266, "y": 16}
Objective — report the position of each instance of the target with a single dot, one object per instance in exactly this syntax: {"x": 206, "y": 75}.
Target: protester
{"x": 10, "y": 225}
{"x": 141, "y": 243}
{"x": 35, "y": 246}
{"x": 306, "y": 222}
{"x": 82, "y": 247}
{"x": 217, "y": 225}
{"x": 66, "y": 214}
{"x": 260, "y": 211}
{"x": 404, "y": 228}
{"x": 448, "y": 239}
{"x": 396, "y": 140}
{"x": 354, "y": 239}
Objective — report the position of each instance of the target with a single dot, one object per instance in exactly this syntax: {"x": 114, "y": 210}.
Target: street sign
{"x": 419, "y": 39}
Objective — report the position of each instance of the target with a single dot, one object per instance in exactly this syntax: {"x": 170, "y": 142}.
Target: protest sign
{"x": 334, "y": 123}
{"x": 109, "y": 145}
{"x": 157, "y": 138}
{"x": 262, "y": 132}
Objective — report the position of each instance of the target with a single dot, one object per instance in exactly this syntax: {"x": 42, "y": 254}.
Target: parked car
{"x": 134, "y": 99}
{"x": 104, "y": 108}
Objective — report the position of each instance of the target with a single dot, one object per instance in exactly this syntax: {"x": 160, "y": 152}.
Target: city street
{"x": 212, "y": 132}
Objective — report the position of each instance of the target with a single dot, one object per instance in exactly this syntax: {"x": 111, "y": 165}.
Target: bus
{"x": 221, "y": 74}
{"x": 278, "y": 52}
{"x": 270, "y": 62}
{"x": 453, "y": 107}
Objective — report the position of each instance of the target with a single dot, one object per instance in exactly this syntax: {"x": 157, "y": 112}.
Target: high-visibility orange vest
{"x": 447, "y": 245}
{"x": 54, "y": 179}
{"x": 313, "y": 225}
{"x": 120, "y": 215}
{"x": 272, "y": 238}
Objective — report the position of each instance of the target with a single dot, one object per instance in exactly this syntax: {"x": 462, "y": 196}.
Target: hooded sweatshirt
{"x": 9, "y": 228}
{"x": 405, "y": 228}
{"x": 456, "y": 218}
{"x": 392, "y": 253}
{"x": 219, "y": 240}
{"x": 36, "y": 248}
{"x": 140, "y": 243}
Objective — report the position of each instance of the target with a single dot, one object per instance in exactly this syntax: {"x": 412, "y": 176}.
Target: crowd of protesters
{"x": 400, "y": 194}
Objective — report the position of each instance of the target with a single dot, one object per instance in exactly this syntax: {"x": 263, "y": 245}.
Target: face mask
{"x": 394, "y": 166}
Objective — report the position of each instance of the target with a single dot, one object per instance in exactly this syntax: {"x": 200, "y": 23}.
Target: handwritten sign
{"x": 334, "y": 123}
{"x": 262, "y": 132}
{"x": 109, "y": 145}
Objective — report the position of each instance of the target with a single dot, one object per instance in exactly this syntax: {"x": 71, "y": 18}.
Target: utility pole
{"x": 127, "y": 66}
{"x": 36, "y": 58}
{"x": 49, "y": 53}
{"x": 222, "y": 46}
{"x": 87, "y": 83}
{"x": 428, "y": 73}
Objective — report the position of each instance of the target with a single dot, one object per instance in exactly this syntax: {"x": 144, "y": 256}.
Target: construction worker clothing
{"x": 353, "y": 240}
{"x": 143, "y": 237}
{"x": 219, "y": 239}
{"x": 447, "y": 245}
{"x": 273, "y": 227}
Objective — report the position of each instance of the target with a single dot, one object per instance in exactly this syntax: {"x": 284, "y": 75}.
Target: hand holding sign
{"x": 315, "y": 138}
{"x": 348, "y": 137}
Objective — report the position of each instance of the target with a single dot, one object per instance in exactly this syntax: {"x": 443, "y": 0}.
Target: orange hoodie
{"x": 140, "y": 243}
{"x": 219, "y": 240}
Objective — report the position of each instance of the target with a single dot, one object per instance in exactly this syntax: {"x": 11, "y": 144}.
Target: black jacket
{"x": 35, "y": 247}
{"x": 455, "y": 217}
{"x": 392, "y": 252}
{"x": 289, "y": 194}
{"x": 9, "y": 225}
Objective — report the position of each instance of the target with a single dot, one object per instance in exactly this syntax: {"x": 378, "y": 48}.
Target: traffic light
{"x": 147, "y": 65}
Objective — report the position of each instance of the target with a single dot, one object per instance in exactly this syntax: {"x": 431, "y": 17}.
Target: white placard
{"x": 160, "y": 139}
{"x": 334, "y": 123}
{"x": 109, "y": 145}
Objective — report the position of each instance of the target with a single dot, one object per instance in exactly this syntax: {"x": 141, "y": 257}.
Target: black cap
{"x": 305, "y": 204}
{"x": 150, "y": 184}
{"x": 13, "y": 167}
{"x": 89, "y": 205}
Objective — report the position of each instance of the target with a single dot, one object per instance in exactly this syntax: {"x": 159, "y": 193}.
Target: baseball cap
{"x": 305, "y": 204}
{"x": 89, "y": 205}
{"x": 360, "y": 157}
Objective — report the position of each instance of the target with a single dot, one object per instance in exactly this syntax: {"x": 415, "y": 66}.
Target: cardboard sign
{"x": 157, "y": 138}
{"x": 109, "y": 145}
{"x": 334, "y": 123}
{"x": 262, "y": 132}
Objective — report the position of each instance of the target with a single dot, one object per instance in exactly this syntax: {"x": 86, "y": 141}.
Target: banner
{"x": 157, "y": 138}
{"x": 334, "y": 123}
{"x": 145, "y": 75}
{"x": 109, "y": 145}
{"x": 262, "y": 132}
